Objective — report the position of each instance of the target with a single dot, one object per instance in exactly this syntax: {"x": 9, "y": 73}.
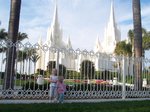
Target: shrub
{"x": 35, "y": 86}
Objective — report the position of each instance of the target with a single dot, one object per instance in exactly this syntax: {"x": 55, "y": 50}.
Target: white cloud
{"x": 83, "y": 20}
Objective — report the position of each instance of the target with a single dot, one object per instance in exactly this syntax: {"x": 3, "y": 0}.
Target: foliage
{"x": 72, "y": 75}
{"x": 2, "y": 75}
{"x": 123, "y": 48}
{"x": 41, "y": 72}
{"x": 34, "y": 57}
{"x": 21, "y": 55}
{"x": 62, "y": 70}
{"x": 87, "y": 69}
{"x": 145, "y": 38}
{"x": 35, "y": 86}
{"x": 52, "y": 64}
{"x": 3, "y": 34}
{"x": 107, "y": 75}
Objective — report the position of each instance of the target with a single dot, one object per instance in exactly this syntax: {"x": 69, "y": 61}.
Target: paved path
{"x": 69, "y": 101}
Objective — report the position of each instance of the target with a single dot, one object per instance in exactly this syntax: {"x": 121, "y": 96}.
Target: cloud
{"x": 83, "y": 20}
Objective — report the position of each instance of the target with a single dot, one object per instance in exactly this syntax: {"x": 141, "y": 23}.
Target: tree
{"x": 145, "y": 40}
{"x": 137, "y": 44}
{"x": 52, "y": 64}
{"x": 123, "y": 48}
{"x": 87, "y": 69}
{"x": 3, "y": 34}
{"x": 62, "y": 70}
{"x": 27, "y": 54}
{"x": 22, "y": 55}
{"x": 12, "y": 36}
{"x": 131, "y": 39}
{"x": 34, "y": 58}
{"x": 22, "y": 36}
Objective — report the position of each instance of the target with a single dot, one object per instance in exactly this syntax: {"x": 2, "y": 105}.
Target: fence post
{"x": 123, "y": 78}
{"x": 57, "y": 62}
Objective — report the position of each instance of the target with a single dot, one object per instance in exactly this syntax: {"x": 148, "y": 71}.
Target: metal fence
{"x": 88, "y": 75}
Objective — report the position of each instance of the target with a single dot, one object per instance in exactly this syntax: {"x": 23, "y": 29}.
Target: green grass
{"x": 126, "y": 106}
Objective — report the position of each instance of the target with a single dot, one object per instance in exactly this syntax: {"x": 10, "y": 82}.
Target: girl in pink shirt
{"x": 61, "y": 88}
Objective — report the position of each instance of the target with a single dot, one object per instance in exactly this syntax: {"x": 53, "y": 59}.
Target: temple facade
{"x": 71, "y": 61}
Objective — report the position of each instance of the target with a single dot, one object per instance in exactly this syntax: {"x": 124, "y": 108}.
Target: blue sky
{"x": 82, "y": 20}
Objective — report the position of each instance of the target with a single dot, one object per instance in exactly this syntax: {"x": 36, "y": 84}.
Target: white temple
{"x": 112, "y": 35}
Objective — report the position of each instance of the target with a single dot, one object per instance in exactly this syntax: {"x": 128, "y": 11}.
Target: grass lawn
{"x": 126, "y": 106}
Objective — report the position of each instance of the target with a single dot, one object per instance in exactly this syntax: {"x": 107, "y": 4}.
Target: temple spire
{"x": 40, "y": 41}
{"x": 112, "y": 33}
{"x": 69, "y": 46}
{"x": 98, "y": 47}
{"x": 112, "y": 14}
{"x": 55, "y": 19}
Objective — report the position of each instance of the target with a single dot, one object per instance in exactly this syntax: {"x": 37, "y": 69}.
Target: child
{"x": 53, "y": 85}
{"x": 61, "y": 88}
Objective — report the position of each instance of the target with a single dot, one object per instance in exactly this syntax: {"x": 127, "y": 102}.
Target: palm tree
{"x": 123, "y": 48}
{"x": 137, "y": 44}
{"x": 34, "y": 58}
{"x": 12, "y": 36}
{"x": 3, "y": 34}
{"x": 21, "y": 57}
{"x": 22, "y": 36}
{"x": 145, "y": 40}
{"x": 131, "y": 39}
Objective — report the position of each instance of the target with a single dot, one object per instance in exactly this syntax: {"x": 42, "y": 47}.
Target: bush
{"x": 2, "y": 75}
{"x": 35, "y": 86}
{"x": 73, "y": 75}
{"x": 107, "y": 75}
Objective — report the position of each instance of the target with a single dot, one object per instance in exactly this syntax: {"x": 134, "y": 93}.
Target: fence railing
{"x": 87, "y": 74}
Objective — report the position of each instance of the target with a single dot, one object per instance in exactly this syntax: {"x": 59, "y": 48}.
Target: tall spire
{"x": 54, "y": 33}
{"x": 112, "y": 33}
{"x": 98, "y": 47}
{"x": 112, "y": 14}
{"x": 55, "y": 19}
{"x": 69, "y": 46}
{"x": 40, "y": 40}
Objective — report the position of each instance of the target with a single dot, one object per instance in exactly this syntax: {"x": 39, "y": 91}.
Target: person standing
{"x": 53, "y": 85}
{"x": 61, "y": 88}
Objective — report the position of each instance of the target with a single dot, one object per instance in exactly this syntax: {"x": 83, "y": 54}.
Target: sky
{"x": 81, "y": 20}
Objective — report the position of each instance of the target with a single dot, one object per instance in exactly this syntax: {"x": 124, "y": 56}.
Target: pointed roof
{"x": 112, "y": 20}
{"x": 69, "y": 46}
{"x": 112, "y": 34}
{"x": 51, "y": 38}
{"x": 98, "y": 47}
{"x": 40, "y": 41}
{"x": 55, "y": 17}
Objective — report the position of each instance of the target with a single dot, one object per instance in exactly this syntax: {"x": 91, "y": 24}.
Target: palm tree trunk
{"x": 12, "y": 35}
{"x": 137, "y": 44}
